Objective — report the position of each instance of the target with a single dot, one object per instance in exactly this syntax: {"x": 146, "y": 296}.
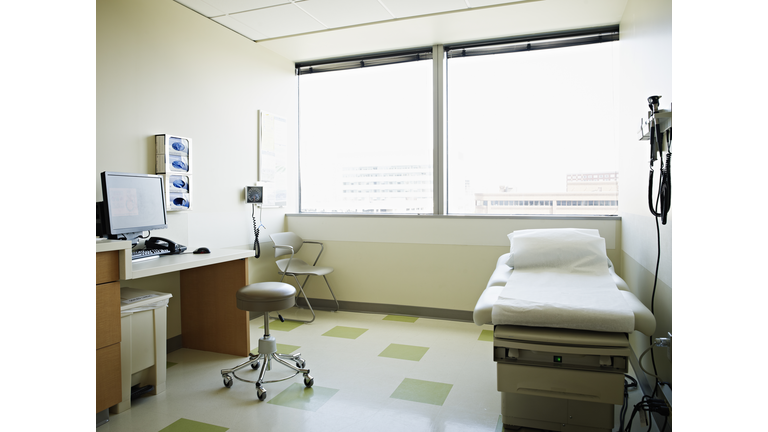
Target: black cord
{"x": 256, "y": 245}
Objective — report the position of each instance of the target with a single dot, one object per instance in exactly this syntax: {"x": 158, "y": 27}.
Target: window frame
{"x": 439, "y": 57}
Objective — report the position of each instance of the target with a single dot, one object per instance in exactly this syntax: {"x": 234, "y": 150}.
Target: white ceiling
{"x": 303, "y": 30}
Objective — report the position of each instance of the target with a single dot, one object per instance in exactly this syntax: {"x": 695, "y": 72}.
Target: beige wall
{"x": 425, "y": 261}
{"x": 162, "y": 68}
{"x": 645, "y": 70}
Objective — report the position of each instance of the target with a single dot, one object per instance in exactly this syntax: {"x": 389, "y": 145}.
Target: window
{"x": 527, "y": 129}
{"x": 368, "y": 128}
{"x": 525, "y": 122}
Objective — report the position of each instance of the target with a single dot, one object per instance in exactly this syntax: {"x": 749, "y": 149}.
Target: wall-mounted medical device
{"x": 254, "y": 194}
{"x": 657, "y": 129}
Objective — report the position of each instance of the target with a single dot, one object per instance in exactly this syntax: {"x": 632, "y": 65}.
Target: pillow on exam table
{"x": 544, "y": 233}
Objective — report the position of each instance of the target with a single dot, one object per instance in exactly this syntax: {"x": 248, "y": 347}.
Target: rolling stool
{"x": 267, "y": 297}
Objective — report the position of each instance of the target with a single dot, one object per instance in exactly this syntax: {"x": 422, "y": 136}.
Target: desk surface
{"x": 168, "y": 263}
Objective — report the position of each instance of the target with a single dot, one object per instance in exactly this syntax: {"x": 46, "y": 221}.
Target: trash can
{"x": 143, "y": 343}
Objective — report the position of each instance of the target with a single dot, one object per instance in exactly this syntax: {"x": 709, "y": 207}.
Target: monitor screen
{"x": 133, "y": 203}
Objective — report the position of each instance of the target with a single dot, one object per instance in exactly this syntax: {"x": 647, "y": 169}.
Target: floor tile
{"x": 281, "y": 348}
{"x": 422, "y": 391}
{"x": 345, "y": 332}
{"x": 404, "y": 352}
{"x": 184, "y": 425}
{"x": 283, "y": 326}
{"x": 400, "y": 318}
{"x": 304, "y": 398}
{"x": 486, "y": 336}
{"x": 356, "y": 387}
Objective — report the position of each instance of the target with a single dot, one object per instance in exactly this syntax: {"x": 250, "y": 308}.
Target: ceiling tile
{"x": 409, "y": 8}
{"x": 279, "y": 21}
{"x": 342, "y": 13}
{"x": 201, "y": 7}
{"x": 237, "y": 26}
{"x": 233, "y": 6}
{"x": 481, "y": 3}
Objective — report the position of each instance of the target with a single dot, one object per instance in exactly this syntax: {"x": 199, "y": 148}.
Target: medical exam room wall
{"x": 162, "y": 68}
{"x": 645, "y": 70}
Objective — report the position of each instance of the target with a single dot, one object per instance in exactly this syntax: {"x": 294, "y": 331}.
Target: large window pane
{"x": 366, "y": 139}
{"x": 532, "y": 132}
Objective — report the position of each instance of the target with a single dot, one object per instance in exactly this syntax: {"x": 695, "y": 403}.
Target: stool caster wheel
{"x": 308, "y": 380}
{"x": 227, "y": 381}
{"x": 301, "y": 364}
{"x": 261, "y": 393}
{"x": 255, "y": 365}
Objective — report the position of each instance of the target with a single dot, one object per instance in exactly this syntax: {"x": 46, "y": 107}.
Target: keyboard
{"x": 143, "y": 254}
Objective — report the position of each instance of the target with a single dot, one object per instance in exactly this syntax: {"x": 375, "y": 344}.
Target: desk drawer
{"x": 107, "y": 314}
{"x": 108, "y": 385}
{"x": 107, "y": 267}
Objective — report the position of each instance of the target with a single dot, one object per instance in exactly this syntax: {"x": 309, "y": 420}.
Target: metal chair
{"x": 289, "y": 242}
{"x": 267, "y": 297}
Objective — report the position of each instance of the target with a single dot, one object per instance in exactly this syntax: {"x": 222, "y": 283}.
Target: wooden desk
{"x": 210, "y": 319}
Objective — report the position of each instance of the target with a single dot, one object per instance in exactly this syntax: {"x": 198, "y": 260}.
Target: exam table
{"x": 560, "y": 330}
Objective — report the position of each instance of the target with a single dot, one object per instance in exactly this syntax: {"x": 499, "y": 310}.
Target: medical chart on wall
{"x": 273, "y": 144}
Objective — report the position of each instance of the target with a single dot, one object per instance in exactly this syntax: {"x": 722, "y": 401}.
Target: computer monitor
{"x": 132, "y": 204}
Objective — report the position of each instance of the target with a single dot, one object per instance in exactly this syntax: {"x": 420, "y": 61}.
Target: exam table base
{"x": 554, "y": 414}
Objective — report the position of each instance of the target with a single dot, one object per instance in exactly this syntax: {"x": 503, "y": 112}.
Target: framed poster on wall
{"x": 273, "y": 144}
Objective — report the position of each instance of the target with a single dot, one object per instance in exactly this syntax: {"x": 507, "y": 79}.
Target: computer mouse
{"x": 201, "y": 250}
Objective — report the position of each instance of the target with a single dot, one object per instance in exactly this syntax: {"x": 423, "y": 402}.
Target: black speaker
{"x": 99, "y": 228}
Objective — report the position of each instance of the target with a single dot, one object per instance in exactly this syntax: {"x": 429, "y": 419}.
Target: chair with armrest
{"x": 290, "y": 243}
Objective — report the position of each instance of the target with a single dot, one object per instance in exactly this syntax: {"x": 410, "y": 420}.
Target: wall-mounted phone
{"x": 163, "y": 243}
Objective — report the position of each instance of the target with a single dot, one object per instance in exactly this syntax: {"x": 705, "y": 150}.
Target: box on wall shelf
{"x": 178, "y": 194}
{"x": 172, "y": 154}
{"x": 173, "y": 161}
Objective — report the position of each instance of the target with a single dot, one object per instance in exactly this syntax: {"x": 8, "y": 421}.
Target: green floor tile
{"x": 499, "y": 425}
{"x": 281, "y": 348}
{"x": 170, "y": 364}
{"x": 283, "y": 326}
{"x": 305, "y": 398}
{"x": 428, "y": 392}
{"x": 486, "y": 335}
{"x": 400, "y": 318}
{"x": 345, "y": 332}
{"x": 404, "y": 352}
{"x": 184, "y": 425}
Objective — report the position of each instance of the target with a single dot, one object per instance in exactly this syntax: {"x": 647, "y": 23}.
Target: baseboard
{"x": 389, "y": 309}
{"x": 175, "y": 343}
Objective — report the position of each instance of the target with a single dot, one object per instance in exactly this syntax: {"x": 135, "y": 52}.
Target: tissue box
{"x": 172, "y": 154}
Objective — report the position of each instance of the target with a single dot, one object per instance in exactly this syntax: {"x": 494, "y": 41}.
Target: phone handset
{"x": 164, "y": 243}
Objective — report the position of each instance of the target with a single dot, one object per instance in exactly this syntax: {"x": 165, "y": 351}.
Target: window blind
{"x": 533, "y": 42}
{"x": 363, "y": 61}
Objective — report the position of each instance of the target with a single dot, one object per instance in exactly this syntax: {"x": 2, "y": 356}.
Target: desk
{"x": 210, "y": 319}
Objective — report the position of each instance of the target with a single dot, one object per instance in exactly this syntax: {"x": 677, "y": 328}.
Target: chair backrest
{"x": 286, "y": 239}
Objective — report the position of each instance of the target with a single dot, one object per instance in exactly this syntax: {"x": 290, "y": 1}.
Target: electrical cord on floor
{"x": 647, "y": 406}
{"x": 627, "y": 385}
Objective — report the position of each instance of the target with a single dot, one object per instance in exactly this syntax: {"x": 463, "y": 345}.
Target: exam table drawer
{"x": 553, "y": 382}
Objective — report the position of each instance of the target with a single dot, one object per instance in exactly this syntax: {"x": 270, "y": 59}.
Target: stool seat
{"x": 266, "y": 297}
